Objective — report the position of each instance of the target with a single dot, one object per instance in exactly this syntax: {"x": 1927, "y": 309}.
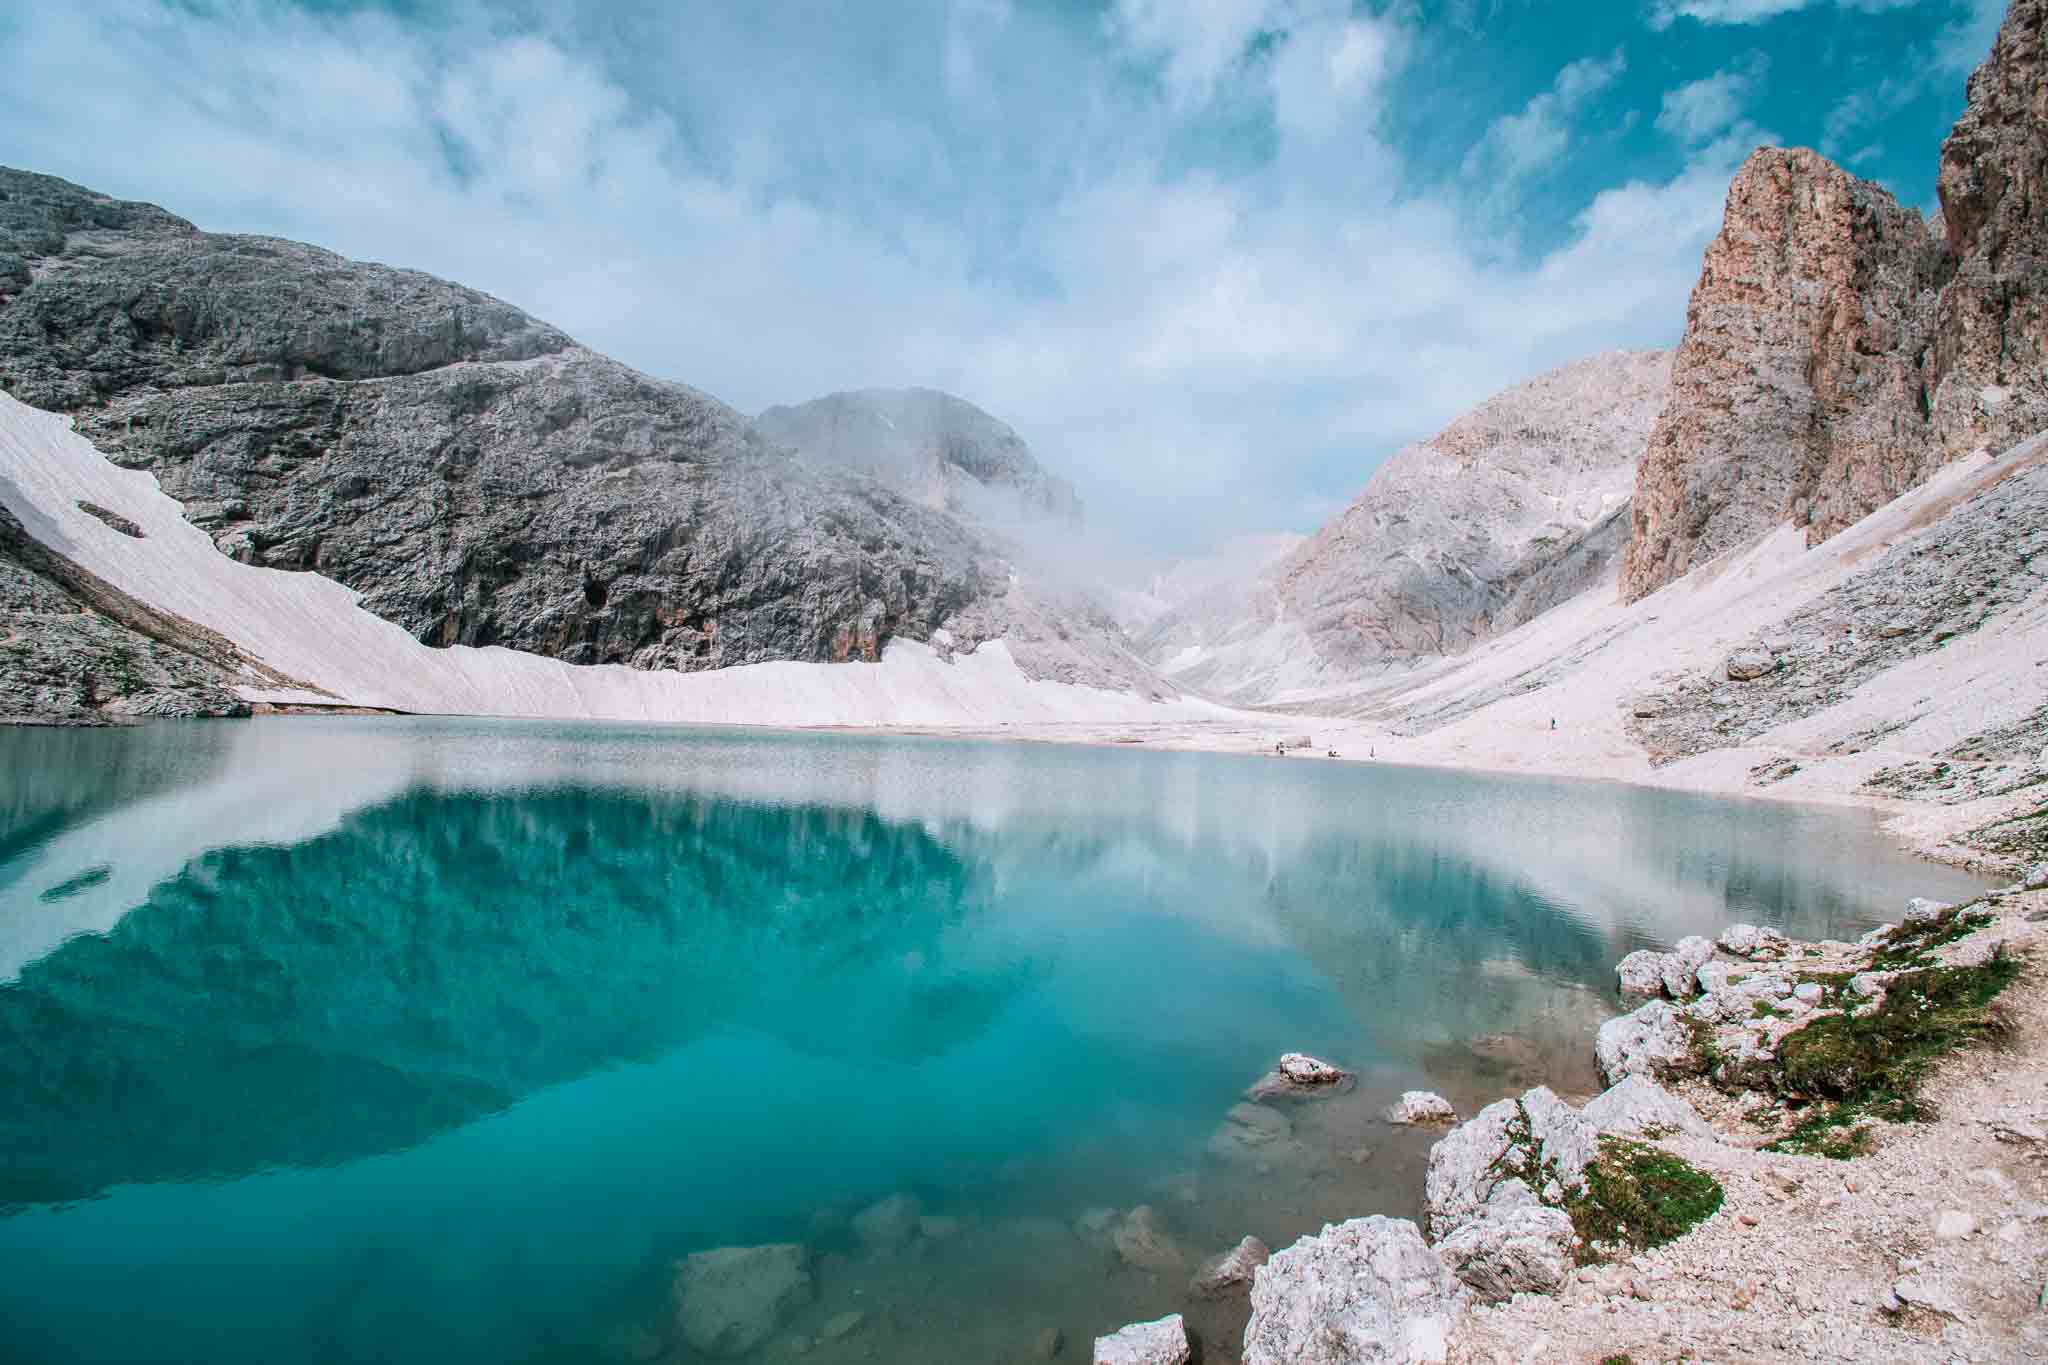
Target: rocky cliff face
{"x": 1517, "y": 506}
{"x": 1990, "y": 344}
{"x": 1838, "y": 350}
{"x": 475, "y": 474}
{"x": 940, "y": 450}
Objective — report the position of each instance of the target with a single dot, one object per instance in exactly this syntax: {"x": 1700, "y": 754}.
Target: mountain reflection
{"x": 434, "y": 960}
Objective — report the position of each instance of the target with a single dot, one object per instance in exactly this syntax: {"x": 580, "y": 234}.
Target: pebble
{"x": 1953, "y": 1225}
{"x": 842, "y": 1324}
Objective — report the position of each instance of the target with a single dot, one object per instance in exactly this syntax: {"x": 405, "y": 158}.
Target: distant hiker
{"x": 1333, "y": 753}
{"x": 1553, "y": 722}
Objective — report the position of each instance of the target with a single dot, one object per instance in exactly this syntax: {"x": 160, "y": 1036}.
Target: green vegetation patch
{"x": 1853, "y": 1067}
{"x": 1909, "y": 946}
{"x": 1639, "y": 1196}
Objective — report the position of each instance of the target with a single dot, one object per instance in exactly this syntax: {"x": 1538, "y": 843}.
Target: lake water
{"x": 382, "y": 1040}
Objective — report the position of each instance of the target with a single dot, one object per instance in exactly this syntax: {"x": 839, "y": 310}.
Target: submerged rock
{"x": 1248, "y": 1131}
{"x": 1513, "y": 1154}
{"x": 1141, "y": 1240}
{"x": 1366, "y": 1292}
{"x": 1524, "y": 1250}
{"x": 889, "y": 1222}
{"x": 1230, "y": 1272}
{"x": 1639, "y": 1106}
{"x": 1422, "y": 1106}
{"x": 1164, "y": 1342}
{"x": 731, "y": 1300}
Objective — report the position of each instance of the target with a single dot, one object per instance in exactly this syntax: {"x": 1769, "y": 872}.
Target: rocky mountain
{"x": 1513, "y": 508}
{"x": 939, "y": 450}
{"x": 475, "y": 474}
{"x": 1838, "y": 349}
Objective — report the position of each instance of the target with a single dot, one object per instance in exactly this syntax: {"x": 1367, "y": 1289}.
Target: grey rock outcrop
{"x": 1515, "y": 507}
{"x": 1982, "y": 561}
{"x": 731, "y": 1300}
{"x": 475, "y": 474}
{"x": 1513, "y": 1154}
{"x": 1525, "y": 1250}
{"x": 1655, "y": 1041}
{"x": 74, "y": 648}
{"x": 1838, "y": 349}
{"x": 1366, "y": 1292}
{"x": 941, "y": 451}
{"x": 1639, "y": 1107}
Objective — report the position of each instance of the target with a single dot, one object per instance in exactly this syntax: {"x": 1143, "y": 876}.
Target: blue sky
{"x": 1215, "y": 259}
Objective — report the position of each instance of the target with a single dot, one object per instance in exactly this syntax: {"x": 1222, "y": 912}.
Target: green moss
{"x": 1909, "y": 946}
{"x": 1619, "y": 1358}
{"x": 1764, "y": 1009}
{"x": 1850, "y": 1067}
{"x": 1640, "y": 1196}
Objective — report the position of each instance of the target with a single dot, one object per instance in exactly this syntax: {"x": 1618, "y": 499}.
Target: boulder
{"x": 1747, "y": 665}
{"x": 1422, "y": 1106}
{"x": 1515, "y": 1251}
{"x": 1141, "y": 1240}
{"x": 731, "y": 1300}
{"x": 1655, "y": 1041}
{"x": 1514, "y": 1153}
{"x": 1921, "y": 912}
{"x": 1230, "y": 1272}
{"x": 1682, "y": 965}
{"x": 1164, "y": 1342}
{"x": 1096, "y": 1228}
{"x": 1366, "y": 1292}
{"x": 1639, "y": 1106}
{"x": 1747, "y": 940}
{"x": 888, "y": 1223}
{"x": 1298, "y": 1074}
{"x": 2036, "y": 877}
{"x": 1641, "y": 973}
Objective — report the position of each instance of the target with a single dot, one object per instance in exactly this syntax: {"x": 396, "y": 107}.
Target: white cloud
{"x": 1703, "y": 110}
{"x": 1533, "y": 138}
{"x": 1203, "y": 349}
{"x": 1664, "y": 12}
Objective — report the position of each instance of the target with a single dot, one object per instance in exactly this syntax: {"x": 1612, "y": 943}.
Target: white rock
{"x": 1366, "y": 1292}
{"x": 1715, "y": 977}
{"x": 1867, "y": 984}
{"x": 1422, "y": 1106}
{"x": 731, "y": 1300}
{"x": 1164, "y": 1342}
{"x": 1297, "y": 1073}
{"x": 1953, "y": 1225}
{"x": 1655, "y": 1041}
{"x": 1747, "y": 940}
{"x": 1920, "y": 1291}
{"x": 2036, "y": 876}
{"x": 890, "y": 1222}
{"x": 1808, "y": 992}
{"x": 1637, "y": 1104}
{"x": 1641, "y": 973}
{"x": 1230, "y": 1272}
{"x": 1683, "y": 962}
{"x": 1513, "y": 1251}
{"x": 1480, "y": 1166}
{"x": 1921, "y": 912}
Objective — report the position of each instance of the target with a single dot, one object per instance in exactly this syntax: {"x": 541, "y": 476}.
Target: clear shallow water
{"x": 378, "y": 1040}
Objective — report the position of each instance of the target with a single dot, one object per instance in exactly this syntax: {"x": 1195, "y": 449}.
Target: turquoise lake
{"x": 381, "y": 1040}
